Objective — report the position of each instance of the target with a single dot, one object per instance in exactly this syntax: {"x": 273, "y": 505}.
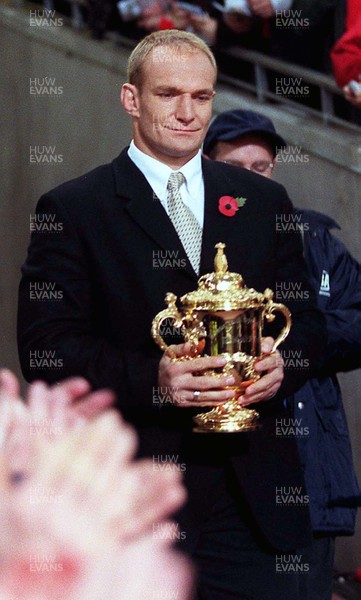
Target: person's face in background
{"x": 172, "y": 107}
{"x": 249, "y": 152}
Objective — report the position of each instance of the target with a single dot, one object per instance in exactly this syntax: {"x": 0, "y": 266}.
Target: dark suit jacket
{"x": 100, "y": 262}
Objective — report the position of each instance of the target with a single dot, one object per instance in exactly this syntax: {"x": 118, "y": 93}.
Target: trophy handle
{"x": 168, "y": 313}
{"x": 273, "y": 307}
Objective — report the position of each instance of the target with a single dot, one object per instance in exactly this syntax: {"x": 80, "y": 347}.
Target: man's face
{"x": 249, "y": 152}
{"x": 172, "y": 107}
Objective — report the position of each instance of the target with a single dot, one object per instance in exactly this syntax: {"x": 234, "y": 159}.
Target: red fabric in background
{"x": 346, "y": 54}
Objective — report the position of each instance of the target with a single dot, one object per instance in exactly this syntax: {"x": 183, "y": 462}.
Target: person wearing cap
{"x": 248, "y": 139}
{"x": 244, "y": 138}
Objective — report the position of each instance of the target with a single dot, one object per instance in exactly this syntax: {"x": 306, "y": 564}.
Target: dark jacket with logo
{"x": 320, "y": 422}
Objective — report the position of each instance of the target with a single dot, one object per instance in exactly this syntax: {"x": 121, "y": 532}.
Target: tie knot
{"x": 175, "y": 180}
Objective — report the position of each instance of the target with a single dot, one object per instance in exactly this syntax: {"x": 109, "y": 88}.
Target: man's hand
{"x": 266, "y": 387}
{"x": 351, "y": 97}
{"x": 261, "y": 8}
{"x": 86, "y": 504}
{"x": 237, "y": 22}
{"x": 204, "y": 26}
{"x": 48, "y": 413}
{"x": 181, "y": 379}
{"x": 91, "y": 471}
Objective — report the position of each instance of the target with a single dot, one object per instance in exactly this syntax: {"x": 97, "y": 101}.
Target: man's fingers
{"x": 74, "y": 387}
{"x": 37, "y": 397}
{"x": 263, "y": 389}
{"x": 203, "y": 363}
{"x": 270, "y": 359}
{"x": 150, "y": 492}
{"x": 267, "y": 344}
{"x": 195, "y": 399}
{"x": 259, "y": 396}
{"x": 270, "y": 362}
{"x": 207, "y": 382}
{"x": 179, "y": 350}
{"x": 94, "y": 403}
{"x": 9, "y": 382}
{"x": 72, "y": 457}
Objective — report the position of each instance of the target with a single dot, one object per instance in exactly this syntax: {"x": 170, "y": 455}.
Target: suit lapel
{"x": 145, "y": 209}
{"x": 137, "y": 195}
{"x": 217, "y": 227}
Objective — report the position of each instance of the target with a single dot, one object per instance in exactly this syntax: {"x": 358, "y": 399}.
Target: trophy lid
{"x": 223, "y": 291}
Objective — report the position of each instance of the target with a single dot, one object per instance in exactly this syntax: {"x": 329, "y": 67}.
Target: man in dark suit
{"x": 115, "y": 225}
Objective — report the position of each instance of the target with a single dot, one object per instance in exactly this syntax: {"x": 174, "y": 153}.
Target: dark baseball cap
{"x": 232, "y": 124}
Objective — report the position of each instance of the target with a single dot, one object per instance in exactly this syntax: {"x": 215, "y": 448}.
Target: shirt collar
{"x": 157, "y": 173}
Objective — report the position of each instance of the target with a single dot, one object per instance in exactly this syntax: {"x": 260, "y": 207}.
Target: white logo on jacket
{"x": 325, "y": 284}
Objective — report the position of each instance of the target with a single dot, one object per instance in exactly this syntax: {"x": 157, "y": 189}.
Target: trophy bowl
{"x": 223, "y": 318}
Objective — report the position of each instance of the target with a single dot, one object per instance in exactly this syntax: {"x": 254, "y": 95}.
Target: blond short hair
{"x": 170, "y": 38}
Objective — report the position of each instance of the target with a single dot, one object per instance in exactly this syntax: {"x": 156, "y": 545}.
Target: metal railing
{"x": 262, "y": 65}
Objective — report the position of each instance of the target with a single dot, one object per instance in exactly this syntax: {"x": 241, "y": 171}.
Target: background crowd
{"x": 324, "y": 36}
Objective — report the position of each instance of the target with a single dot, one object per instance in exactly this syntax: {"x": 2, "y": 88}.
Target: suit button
{"x": 300, "y": 405}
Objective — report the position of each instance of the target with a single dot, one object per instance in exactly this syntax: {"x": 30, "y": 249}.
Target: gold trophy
{"x": 223, "y": 318}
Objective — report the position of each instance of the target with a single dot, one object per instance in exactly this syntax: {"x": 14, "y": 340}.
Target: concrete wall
{"x": 85, "y": 123}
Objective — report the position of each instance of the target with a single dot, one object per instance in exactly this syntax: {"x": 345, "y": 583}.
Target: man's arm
{"x": 343, "y": 313}
{"x": 57, "y": 337}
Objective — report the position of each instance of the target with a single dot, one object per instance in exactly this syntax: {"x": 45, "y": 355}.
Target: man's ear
{"x": 129, "y": 99}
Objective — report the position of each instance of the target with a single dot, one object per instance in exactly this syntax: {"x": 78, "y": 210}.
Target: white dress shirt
{"x": 157, "y": 175}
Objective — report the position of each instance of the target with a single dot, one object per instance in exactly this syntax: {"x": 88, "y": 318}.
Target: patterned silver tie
{"x": 184, "y": 221}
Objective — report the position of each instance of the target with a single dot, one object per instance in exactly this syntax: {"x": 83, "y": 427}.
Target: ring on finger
{"x": 196, "y": 395}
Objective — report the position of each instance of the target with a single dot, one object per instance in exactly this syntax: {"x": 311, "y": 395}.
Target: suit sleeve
{"x": 56, "y": 335}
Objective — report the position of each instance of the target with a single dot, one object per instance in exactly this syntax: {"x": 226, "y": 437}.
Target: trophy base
{"x": 230, "y": 417}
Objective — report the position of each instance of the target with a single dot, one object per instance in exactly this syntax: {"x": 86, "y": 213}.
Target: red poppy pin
{"x": 228, "y": 205}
